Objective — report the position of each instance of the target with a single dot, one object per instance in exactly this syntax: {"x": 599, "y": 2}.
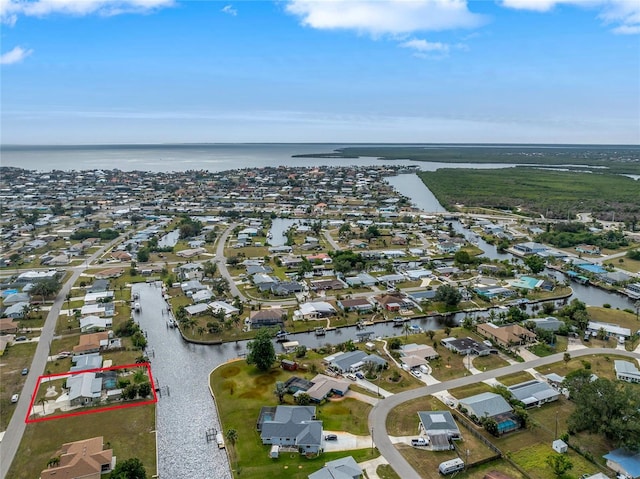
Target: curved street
{"x": 378, "y": 415}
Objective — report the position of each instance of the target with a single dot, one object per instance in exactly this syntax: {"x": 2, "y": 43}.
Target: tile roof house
{"x": 534, "y": 393}
{"x": 92, "y": 343}
{"x": 291, "y": 426}
{"x": 85, "y": 459}
{"x": 343, "y": 468}
{"x": 360, "y": 305}
{"x": 322, "y": 386}
{"x": 8, "y": 326}
{"x": 508, "y": 335}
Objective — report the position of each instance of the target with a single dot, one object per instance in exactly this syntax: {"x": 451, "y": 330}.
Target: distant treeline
{"x": 617, "y": 159}
{"x": 538, "y": 192}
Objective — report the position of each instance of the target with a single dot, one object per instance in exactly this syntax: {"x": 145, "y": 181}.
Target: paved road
{"x": 15, "y": 430}
{"x": 378, "y": 415}
{"x": 221, "y": 261}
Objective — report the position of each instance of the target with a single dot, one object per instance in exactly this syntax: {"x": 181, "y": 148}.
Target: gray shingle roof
{"x": 486, "y": 404}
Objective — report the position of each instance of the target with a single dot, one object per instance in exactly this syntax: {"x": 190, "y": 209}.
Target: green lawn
{"x": 470, "y": 390}
{"x": 15, "y": 358}
{"x": 241, "y": 391}
{"x": 489, "y": 362}
{"x": 515, "y": 378}
{"x": 385, "y": 471}
{"x": 129, "y": 432}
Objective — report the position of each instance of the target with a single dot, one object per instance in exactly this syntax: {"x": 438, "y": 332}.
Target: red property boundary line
{"x": 96, "y": 410}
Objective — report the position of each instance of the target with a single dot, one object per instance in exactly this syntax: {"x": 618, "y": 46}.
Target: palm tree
{"x": 406, "y": 327}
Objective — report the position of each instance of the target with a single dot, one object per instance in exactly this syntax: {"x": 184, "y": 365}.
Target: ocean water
{"x": 211, "y": 157}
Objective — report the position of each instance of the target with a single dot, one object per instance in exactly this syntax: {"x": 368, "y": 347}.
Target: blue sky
{"x": 419, "y": 71}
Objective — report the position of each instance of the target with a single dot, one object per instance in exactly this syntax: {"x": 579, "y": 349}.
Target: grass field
{"x": 241, "y": 391}
{"x": 403, "y": 420}
{"x": 533, "y": 191}
{"x": 129, "y": 432}
{"x": 15, "y": 358}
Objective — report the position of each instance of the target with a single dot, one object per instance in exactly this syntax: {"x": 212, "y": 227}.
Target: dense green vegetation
{"x": 566, "y": 235}
{"x": 618, "y": 159}
{"x": 552, "y": 194}
{"x": 106, "y": 235}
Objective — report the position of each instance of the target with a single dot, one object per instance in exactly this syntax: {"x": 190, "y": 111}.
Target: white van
{"x": 447, "y": 467}
{"x": 424, "y": 369}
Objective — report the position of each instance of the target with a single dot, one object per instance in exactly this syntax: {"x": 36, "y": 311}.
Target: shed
{"x": 288, "y": 365}
{"x": 275, "y": 452}
{"x": 559, "y": 446}
{"x": 370, "y": 346}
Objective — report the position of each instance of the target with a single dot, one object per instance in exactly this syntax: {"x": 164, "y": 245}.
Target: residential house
{"x": 86, "y": 362}
{"x": 588, "y": 249}
{"x": 189, "y": 271}
{"x": 494, "y": 406}
{"x": 291, "y": 426}
{"x": 393, "y": 302}
{"x": 363, "y": 279}
{"x": 191, "y": 286}
{"x": 594, "y": 327}
{"x": 361, "y": 305}
{"x": 534, "y": 393}
{"x": 92, "y": 343}
{"x": 228, "y": 309}
{"x": 16, "y": 298}
{"x": 8, "y": 326}
{"x": 92, "y": 324}
{"x": 285, "y": 288}
{"x": 122, "y": 256}
{"x": 624, "y": 462}
{"x": 343, "y": 468}
{"x": 529, "y": 248}
{"x": 508, "y": 335}
{"x": 109, "y": 273}
{"x": 626, "y": 371}
{"x": 414, "y": 355}
{"x": 314, "y": 310}
{"x": 323, "y": 386}
{"x": 201, "y": 296}
{"x": 353, "y": 361}
{"x": 196, "y": 309}
{"x": 267, "y": 318}
{"x": 16, "y": 311}
{"x": 440, "y": 428}
{"x": 86, "y": 459}
{"x": 84, "y": 389}
{"x": 466, "y": 346}
{"x": 327, "y": 284}
{"x": 547, "y": 324}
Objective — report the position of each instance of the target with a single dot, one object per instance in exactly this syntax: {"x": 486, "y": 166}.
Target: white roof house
{"x": 613, "y": 329}
{"x": 94, "y": 323}
{"x": 626, "y": 371}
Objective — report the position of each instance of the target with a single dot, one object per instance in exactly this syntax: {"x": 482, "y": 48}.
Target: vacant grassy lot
{"x": 470, "y": 390}
{"x": 15, "y": 358}
{"x": 129, "y": 432}
{"x": 533, "y": 460}
{"x": 534, "y": 191}
{"x": 385, "y": 471}
{"x": 515, "y": 378}
{"x": 633, "y": 266}
{"x": 489, "y": 362}
{"x": 241, "y": 391}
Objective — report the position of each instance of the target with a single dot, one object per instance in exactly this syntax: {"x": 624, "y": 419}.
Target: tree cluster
{"x": 610, "y": 408}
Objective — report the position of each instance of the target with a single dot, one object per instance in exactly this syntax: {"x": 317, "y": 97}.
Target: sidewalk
{"x": 371, "y": 466}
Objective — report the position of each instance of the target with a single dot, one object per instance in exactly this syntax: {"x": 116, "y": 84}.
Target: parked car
{"x": 416, "y": 373}
{"x": 14, "y": 398}
{"x": 330, "y": 437}
{"x": 21, "y": 338}
{"x": 25, "y": 371}
{"x": 64, "y": 354}
{"x": 352, "y": 377}
{"x": 359, "y": 375}
{"x": 420, "y": 441}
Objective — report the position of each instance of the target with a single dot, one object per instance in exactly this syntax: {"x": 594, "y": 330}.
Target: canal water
{"x": 279, "y": 226}
{"x": 169, "y": 240}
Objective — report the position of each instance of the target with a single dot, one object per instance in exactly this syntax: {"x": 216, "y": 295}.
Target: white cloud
{"x": 424, "y": 46}
{"x": 10, "y": 10}
{"x": 229, "y": 10}
{"x": 14, "y": 56}
{"x": 378, "y": 17}
{"x": 623, "y": 15}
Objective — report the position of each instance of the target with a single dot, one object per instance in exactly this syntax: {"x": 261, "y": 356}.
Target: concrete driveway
{"x": 346, "y": 442}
